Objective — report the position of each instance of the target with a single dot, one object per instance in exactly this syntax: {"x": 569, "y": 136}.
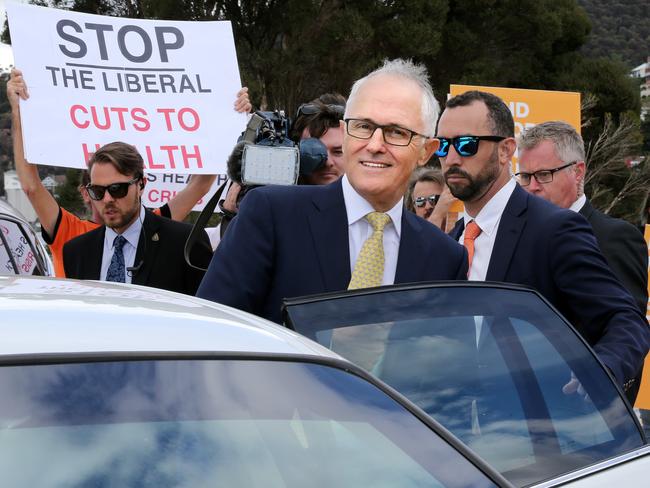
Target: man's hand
{"x": 16, "y": 89}
{"x": 243, "y": 104}
{"x": 575, "y": 387}
{"x": 439, "y": 214}
{"x": 230, "y": 202}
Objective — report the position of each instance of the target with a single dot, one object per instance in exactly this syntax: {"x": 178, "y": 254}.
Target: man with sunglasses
{"x": 519, "y": 238}
{"x": 134, "y": 245}
{"x": 58, "y": 225}
{"x": 354, "y": 232}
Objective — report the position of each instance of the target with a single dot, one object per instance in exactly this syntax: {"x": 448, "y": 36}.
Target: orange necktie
{"x": 472, "y": 231}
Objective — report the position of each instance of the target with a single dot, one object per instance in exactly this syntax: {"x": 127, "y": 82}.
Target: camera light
{"x": 270, "y": 165}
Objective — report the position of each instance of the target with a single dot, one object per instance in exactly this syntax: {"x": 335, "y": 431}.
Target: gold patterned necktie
{"x": 369, "y": 268}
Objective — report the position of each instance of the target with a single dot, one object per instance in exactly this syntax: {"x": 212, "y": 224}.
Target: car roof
{"x": 7, "y": 209}
{"x": 53, "y": 316}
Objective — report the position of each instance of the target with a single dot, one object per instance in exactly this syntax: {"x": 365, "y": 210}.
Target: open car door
{"x": 496, "y": 364}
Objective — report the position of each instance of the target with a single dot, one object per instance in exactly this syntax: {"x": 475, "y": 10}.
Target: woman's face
{"x": 425, "y": 189}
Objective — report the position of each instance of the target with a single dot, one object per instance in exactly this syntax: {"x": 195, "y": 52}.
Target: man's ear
{"x": 580, "y": 169}
{"x": 507, "y": 149}
{"x": 427, "y": 150}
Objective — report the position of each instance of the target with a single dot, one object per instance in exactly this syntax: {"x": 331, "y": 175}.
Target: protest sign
{"x": 162, "y": 187}
{"x": 166, "y": 87}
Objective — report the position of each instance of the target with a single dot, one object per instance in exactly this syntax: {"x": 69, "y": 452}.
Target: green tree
{"x": 68, "y": 194}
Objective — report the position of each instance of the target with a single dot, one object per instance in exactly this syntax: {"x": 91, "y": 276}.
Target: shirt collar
{"x": 358, "y": 207}
{"x": 489, "y": 216}
{"x": 579, "y": 203}
{"x": 131, "y": 234}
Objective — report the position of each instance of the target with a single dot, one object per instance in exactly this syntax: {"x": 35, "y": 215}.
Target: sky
{"x": 6, "y": 57}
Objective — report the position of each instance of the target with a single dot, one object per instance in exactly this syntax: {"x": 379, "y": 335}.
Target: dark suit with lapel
{"x": 160, "y": 250}
{"x": 554, "y": 251}
{"x": 293, "y": 241}
{"x": 624, "y": 249}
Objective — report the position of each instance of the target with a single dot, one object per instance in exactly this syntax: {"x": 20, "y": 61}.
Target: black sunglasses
{"x": 465, "y": 145}
{"x": 420, "y": 201}
{"x": 116, "y": 190}
{"x": 313, "y": 108}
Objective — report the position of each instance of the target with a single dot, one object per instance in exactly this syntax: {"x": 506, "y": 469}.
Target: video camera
{"x": 269, "y": 156}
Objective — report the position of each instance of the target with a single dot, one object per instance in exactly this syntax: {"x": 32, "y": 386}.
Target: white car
{"x": 109, "y": 385}
{"x": 22, "y": 251}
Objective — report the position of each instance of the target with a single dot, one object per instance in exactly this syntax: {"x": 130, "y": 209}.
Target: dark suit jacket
{"x": 293, "y": 241}
{"x": 554, "y": 251}
{"x": 625, "y": 251}
{"x": 160, "y": 250}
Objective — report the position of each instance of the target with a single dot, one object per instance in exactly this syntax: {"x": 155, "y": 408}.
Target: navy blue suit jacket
{"x": 554, "y": 251}
{"x": 293, "y": 241}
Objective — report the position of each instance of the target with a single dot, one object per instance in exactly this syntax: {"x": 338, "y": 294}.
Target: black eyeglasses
{"x": 421, "y": 201}
{"x": 393, "y": 134}
{"x": 314, "y": 108}
{"x": 465, "y": 145}
{"x": 542, "y": 176}
{"x": 116, "y": 190}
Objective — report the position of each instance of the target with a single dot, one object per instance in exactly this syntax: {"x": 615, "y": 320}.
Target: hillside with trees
{"x": 290, "y": 51}
{"x": 620, "y": 30}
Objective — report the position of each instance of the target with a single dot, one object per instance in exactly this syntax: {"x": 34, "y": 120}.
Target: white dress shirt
{"x": 579, "y": 203}
{"x": 488, "y": 220}
{"x": 132, "y": 236}
{"x": 359, "y": 229}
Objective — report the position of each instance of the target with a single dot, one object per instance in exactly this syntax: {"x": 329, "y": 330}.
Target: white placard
{"x": 166, "y": 87}
{"x": 161, "y": 188}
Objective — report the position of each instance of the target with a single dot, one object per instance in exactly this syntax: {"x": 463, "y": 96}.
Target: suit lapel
{"x": 328, "y": 223}
{"x": 148, "y": 246}
{"x": 409, "y": 269}
{"x": 92, "y": 268}
{"x": 458, "y": 229}
{"x": 510, "y": 227}
{"x": 587, "y": 211}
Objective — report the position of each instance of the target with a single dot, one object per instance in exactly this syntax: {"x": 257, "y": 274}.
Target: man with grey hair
{"x": 353, "y": 233}
{"x": 552, "y": 166}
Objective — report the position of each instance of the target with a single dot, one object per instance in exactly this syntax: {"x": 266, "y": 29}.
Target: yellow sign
{"x": 530, "y": 107}
{"x": 643, "y": 399}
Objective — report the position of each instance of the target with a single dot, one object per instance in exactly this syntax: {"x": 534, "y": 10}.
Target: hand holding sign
{"x": 103, "y": 79}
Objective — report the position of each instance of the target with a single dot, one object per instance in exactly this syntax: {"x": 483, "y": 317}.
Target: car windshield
{"x": 491, "y": 364}
{"x": 214, "y": 422}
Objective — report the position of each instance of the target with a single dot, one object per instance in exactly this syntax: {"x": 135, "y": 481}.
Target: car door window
{"x": 17, "y": 254}
{"x": 491, "y": 364}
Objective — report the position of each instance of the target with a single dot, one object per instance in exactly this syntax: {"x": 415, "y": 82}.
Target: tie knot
{"x": 472, "y": 230}
{"x": 118, "y": 242}
{"x": 378, "y": 220}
